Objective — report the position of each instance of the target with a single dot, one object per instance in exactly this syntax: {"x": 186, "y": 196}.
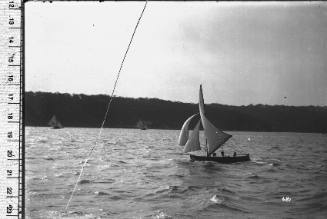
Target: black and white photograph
{"x": 173, "y": 109}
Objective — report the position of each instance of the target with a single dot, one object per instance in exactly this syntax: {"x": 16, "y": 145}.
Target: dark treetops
{"x": 81, "y": 110}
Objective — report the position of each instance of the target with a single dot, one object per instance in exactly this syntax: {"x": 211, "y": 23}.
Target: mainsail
{"x": 193, "y": 143}
{"x": 183, "y": 136}
{"x": 215, "y": 137}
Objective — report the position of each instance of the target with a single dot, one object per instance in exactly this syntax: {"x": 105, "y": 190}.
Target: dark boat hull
{"x": 239, "y": 158}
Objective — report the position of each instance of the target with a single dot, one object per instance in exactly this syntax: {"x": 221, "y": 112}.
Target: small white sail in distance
{"x": 54, "y": 122}
{"x": 193, "y": 143}
{"x": 183, "y": 135}
{"x": 215, "y": 137}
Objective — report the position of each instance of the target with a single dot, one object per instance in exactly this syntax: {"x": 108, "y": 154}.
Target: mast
{"x": 207, "y": 148}
{"x": 215, "y": 137}
{"x": 202, "y": 124}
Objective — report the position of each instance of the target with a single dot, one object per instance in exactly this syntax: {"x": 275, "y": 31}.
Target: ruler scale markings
{"x": 22, "y": 116}
{"x": 11, "y": 110}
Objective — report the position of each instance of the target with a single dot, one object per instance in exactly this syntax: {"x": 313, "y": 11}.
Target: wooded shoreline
{"x": 79, "y": 110}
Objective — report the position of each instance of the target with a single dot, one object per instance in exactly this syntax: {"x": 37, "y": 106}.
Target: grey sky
{"x": 242, "y": 53}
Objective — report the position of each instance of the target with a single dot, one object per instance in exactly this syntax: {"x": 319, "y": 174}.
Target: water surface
{"x": 144, "y": 174}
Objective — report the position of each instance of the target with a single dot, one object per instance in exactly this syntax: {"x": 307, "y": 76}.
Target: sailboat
{"x": 215, "y": 138}
{"x": 54, "y": 123}
{"x": 142, "y": 125}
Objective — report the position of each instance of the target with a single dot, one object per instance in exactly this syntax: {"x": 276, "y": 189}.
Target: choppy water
{"x": 143, "y": 174}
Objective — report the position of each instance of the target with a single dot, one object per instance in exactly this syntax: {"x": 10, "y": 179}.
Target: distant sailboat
{"x": 142, "y": 125}
{"x": 54, "y": 123}
{"x": 215, "y": 138}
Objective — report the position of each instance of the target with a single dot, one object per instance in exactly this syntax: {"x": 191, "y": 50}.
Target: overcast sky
{"x": 242, "y": 53}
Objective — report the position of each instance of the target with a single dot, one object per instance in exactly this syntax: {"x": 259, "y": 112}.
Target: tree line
{"x": 79, "y": 110}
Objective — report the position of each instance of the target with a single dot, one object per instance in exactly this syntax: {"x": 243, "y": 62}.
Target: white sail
{"x": 59, "y": 125}
{"x": 142, "y": 125}
{"x": 215, "y": 137}
{"x": 183, "y": 136}
{"x": 55, "y": 123}
{"x": 193, "y": 143}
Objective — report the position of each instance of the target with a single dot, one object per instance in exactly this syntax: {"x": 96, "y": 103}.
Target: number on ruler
{"x": 10, "y": 78}
{"x": 11, "y": 21}
{"x": 9, "y": 135}
{"x": 9, "y": 190}
{"x": 11, "y": 40}
{"x": 11, "y": 4}
{"x": 9, "y": 209}
{"x": 10, "y": 154}
{"x": 11, "y": 58}
{"x": 9, "y": 172}
{"x": 11, "y": 97}
{"x": 10, "y": 116}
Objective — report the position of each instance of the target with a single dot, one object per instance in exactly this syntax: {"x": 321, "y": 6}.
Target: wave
{"x": 276, "y": 147}
{"x": 171, "y": 191}
{"x": 60, "y": 175}
{"x": 219, "y": 202}
{"x": 84, "y": 181}
{"x": 115, "y": 197}
{"x": 271, "y": 170}
{"x": 224, "y": 190}
{"x": 270, "y": 162}
{"x": 320, "y": 195}
{"x": 77, "y": 214}
{"x": 99, "y": 193}
{"x": 275, "y": 164}
{"x": 177, "y": 175}
{"x": 260, "y": 162}
{"x": 48, "y": 158}
{"x": 216, "y": 200}
{"x": 108, "y": 181}
{"x": 42, "y": 140}
{"x": 254, "y": 176}
{"x": 161, "y": 215}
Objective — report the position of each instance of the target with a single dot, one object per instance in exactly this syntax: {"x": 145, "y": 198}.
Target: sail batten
{"x": 215, "y": 137}
{"x": 193, "y": 143}
{"x": 183, "y": 136}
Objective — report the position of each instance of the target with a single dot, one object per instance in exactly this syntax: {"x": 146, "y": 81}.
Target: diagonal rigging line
{"x": 108, "y": 106}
